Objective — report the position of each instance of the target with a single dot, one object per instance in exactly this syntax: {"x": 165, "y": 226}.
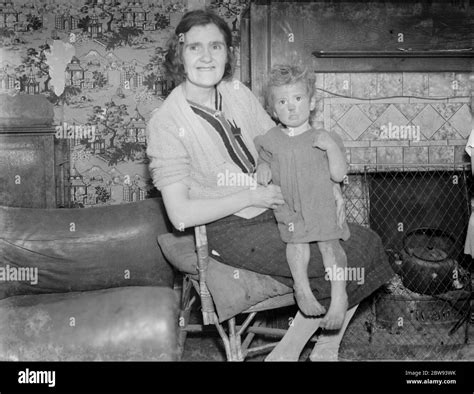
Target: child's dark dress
{"x": 302, "y": 172}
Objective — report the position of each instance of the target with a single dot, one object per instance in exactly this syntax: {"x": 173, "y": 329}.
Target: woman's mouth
{"x": 208, "y": 68}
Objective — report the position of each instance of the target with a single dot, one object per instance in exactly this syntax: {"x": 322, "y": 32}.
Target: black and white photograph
{"x": 236, "y": 196}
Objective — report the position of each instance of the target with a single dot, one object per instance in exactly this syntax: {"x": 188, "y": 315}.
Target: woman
{"x": 203, "y": 133}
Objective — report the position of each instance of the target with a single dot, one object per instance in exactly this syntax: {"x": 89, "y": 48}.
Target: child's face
{"x": 291, "y": 104}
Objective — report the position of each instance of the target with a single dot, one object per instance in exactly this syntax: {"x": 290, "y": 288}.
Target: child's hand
{"x": 264, "y": 174}
{"x": 324, "y": 141}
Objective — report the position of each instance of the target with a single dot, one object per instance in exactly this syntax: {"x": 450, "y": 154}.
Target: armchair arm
{"x": 208, "y": 311}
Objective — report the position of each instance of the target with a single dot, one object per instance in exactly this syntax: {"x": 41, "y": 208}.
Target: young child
{"x": 308, "y": 165}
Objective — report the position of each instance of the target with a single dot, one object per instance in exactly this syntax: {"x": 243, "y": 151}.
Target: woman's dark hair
{"x": 173, "y": 59}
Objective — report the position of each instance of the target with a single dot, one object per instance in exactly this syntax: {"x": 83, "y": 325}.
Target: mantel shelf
{"x": 392, "y": 54}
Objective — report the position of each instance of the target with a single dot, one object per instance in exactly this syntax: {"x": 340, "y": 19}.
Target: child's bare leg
{"x": 334, "y": 258}
{"x": 298, "y": 259}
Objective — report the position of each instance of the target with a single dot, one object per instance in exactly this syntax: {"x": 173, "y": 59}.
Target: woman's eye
{"x": 299, "y": 98}
{"x": 217, "y": 47}
{"x": 193, "y": 48}
{"x": 282, "y": 102}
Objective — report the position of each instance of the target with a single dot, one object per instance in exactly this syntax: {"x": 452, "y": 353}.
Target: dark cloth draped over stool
{"x": 255, "y": 245}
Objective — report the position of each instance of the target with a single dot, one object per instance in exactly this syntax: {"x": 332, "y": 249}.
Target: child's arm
{"x": 337, "y": 161}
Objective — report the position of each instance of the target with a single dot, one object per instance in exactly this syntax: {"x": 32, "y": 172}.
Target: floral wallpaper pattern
{"x": 112, "y": 83}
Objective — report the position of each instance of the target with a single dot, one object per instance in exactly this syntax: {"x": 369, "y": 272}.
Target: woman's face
{"x": 204, "y": 55}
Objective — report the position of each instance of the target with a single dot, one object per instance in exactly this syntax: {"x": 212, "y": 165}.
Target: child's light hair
{"x": 287, "y": 74}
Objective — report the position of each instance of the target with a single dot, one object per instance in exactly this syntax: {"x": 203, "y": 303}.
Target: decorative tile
{"x": 461, "y": 142}
{"x": 441, "y": 154}
{"x": 462, "y": 121}
{"x": 373, "y": 111}
{"x": 429, "y": 121}
{"x": 386, "y": 143}
{"x": 415, "y": 133}
{"x": 357, "y": 168}
{"x": 410, "y": 110}
{"x": 415, "y": 155}
{"x": 372, "y": 133}
{"x": 441, "y": 84}
{"x": 330, "y": 81}
{"x": 354, "y": 122}
{"x": 415, "y": 84}
{"x": 337, "y": 110}
{"x": 326, "y": 114}
{"x": 463, "y": 100}
{"x": 464, "y": 85}
{"x": 364, "y": 85}
{"x": 319, "y": 80}
{"x": 429, "y": 143}
{"x": 363, "y": 155}
{"x": 338, "y": 129}
{"x": 446, "y": 110}
{"x": 391, "y": 115}
{"x": 343, "y": 83}
{"x": 389, "y": 84}
{"x": 446, "y": 132}
{"x": 389, "y": 155}
{"x": 356, "y": 144}
{"x": 460, "y": 155}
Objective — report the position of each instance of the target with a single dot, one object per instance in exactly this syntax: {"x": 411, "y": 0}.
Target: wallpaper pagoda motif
{"x": 111, "y": 83}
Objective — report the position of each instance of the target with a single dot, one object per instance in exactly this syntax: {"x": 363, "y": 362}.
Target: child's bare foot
{"x": 307, "y": 302}
{"x": 336, "y": 313}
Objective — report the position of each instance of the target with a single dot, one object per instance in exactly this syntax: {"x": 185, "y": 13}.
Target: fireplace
{"x": 421, "y": 214}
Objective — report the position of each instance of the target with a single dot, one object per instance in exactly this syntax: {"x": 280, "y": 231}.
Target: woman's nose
{"x": 206, "y": 54}
{"x": 291, "y": 106}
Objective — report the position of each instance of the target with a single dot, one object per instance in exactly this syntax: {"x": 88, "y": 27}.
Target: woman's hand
{"x": 266, "y": 197}
{"x": 264, "y": 174}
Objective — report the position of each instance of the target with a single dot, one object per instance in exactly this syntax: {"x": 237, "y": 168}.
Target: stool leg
{"x": 225, "y": 339}
{"x": 235, "y": 343}
{"x": 184, "y": 313}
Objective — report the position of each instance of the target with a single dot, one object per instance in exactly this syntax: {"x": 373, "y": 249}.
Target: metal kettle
{"x": 427, "y": 265}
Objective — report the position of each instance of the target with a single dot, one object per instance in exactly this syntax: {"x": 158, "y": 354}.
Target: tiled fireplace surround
{"x": 439, "y": 103}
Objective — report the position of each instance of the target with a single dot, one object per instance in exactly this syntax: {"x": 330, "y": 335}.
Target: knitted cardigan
{"x": 180, "y": 149}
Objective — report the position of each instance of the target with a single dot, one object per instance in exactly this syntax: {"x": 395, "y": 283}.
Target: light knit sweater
{"x": 181, "y": 150}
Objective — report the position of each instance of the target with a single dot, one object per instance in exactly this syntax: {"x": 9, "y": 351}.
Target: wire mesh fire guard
{"x": 421, "y": 214}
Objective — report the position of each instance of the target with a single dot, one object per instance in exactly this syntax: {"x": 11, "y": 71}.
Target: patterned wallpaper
{"x": 112, "y": 81}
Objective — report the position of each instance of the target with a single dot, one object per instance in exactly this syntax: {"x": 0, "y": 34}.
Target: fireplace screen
{"x": 422, "y": 215}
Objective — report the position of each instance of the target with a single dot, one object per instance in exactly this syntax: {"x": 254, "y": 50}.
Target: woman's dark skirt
{"x": 255, "y": 245}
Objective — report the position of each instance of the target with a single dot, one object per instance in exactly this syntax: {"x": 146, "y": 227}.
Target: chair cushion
{"x": 135, "y": 323}
{"x": 233, "y": 290}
